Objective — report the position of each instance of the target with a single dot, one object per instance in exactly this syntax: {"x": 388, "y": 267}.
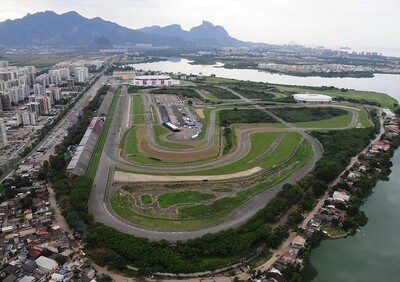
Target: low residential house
{"x": 353, "y": 176}
{"x": 57, "y": 277}
{"x": 10, "y": 278}
{"x": 29, "y": 266}
{"x": 70, "y": 266}
{"x": 299, "y": 241}
{"x": 290, "y": 255}
{"x": 362, "y": 168}
{"x": 315, "y": 222}
{"x": 341, "y": 196}
{"x": 27, "y": 278}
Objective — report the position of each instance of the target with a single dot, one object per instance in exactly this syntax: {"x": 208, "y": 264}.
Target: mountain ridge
{"x": 48, "y": 28}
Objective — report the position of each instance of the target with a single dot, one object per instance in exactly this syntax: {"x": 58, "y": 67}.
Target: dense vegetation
{"x": 135, "y": 89}
{"x": 229, "y": 136}
{"x": 339, "y": 147}
{"x": 218, "y": 92}
{"x": 254, "y": 94}
{"x": 186, "y": 92}
{"x": 304, "y": 114}
{"x": 196, "y": 255}
{"x": 228, "y": 117}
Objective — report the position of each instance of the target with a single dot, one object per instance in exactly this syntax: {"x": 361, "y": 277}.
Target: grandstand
{"x": 81, "y": 159}
{"x": 107, "y": 101}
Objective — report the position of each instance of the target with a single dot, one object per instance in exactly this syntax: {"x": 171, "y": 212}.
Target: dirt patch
{"x": 134, "y": 177}
{"x": 200, "y": 113}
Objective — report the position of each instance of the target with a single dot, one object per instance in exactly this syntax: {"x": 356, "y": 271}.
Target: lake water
{"x": 385, "y": 83}
{"x": 373, "y": 254}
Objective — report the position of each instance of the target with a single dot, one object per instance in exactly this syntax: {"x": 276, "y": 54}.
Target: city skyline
{"x": 358, "y": 24}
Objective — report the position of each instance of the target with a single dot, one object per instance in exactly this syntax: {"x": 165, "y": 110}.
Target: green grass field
{"x": 228, "y": 117}
{"x": 306, "y": 114}
{"x": 185, "y": 197}
{"x": 260, "y": 142}
{"x": 94, "y": 162}
{"x": 198, "y": 215}
{"x": 336, "y": 122}
{"x": 214, "y": 92}
{"x": 37, "y": 60}
{"x": 333, "y": 231}
{"x": 137, "y": 116}
{"x": 161, "y": 132}
{"x": 363, "y": 118}
{"x": 302, "y": 156}
{"x": 132, "y": 152}
{"x": 146, "y": 199}
{"x": 154, "y": 221}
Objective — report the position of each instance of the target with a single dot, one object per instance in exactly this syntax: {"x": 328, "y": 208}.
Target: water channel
{"x": 373, "y": 254}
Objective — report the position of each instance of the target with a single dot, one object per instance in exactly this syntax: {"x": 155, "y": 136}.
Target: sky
{"x": 359, "y": 24}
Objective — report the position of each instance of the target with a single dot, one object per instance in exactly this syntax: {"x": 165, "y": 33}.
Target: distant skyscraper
{"x": 3, "y": 136}
{"x": 38, "y": 89}
{"x": 5, "y": 102}
{"x": 3, "y": 64}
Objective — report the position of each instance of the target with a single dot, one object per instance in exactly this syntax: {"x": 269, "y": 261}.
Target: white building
{"x": 154, "y": 80}
{"x": 341, "y": 196}
{"x": 26, "y": 118}
{"x": 3, "y": 136}
{"x": 46, "y": 264}
{"x": 389, "y": 113}
{"x": 312, "y": 98}
{"x": 81, "y": 74}
{"x": 18, "y": 93}
{"x": 38, "y": 89}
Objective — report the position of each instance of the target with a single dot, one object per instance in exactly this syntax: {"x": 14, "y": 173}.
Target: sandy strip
{"x": 200, "y": 113}
{"x": 134, "y": 177}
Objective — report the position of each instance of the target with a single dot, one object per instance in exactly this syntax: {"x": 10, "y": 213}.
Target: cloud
{"x": 312, "y": 22}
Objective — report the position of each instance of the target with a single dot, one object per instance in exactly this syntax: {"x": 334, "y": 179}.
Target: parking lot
{"x": 180, "y": 115}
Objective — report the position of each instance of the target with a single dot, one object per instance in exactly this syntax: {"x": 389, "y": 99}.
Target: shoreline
{"x": 308, "y": 220}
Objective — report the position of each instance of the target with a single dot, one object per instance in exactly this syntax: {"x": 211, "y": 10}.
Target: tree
{"x": 57, "y": 163}
{"x": 319, "y": 188}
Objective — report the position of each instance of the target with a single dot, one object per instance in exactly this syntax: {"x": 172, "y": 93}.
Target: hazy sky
{"x": 359, "y": 24}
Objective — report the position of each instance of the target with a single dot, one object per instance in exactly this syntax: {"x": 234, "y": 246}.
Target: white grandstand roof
{"x": 312, "y": 97}
{"x": 152, "y": 77}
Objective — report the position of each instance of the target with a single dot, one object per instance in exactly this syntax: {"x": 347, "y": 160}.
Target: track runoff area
{"x": 181, "y": 162}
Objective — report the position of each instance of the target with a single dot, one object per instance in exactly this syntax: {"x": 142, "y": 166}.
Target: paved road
{"x": 99, "y": 204}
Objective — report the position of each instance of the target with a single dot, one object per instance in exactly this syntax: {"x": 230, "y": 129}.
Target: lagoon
{"x": 386, "y": 83}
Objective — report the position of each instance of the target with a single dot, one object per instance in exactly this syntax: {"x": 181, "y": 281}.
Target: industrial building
{"x": 166, "y": 120}
{"x": 171, "y": 127}
{"x": 154, "y": 80}
{"x": 312, "y": 98}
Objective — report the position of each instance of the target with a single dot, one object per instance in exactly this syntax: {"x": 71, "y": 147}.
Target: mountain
{"x": 205, "y": 34}
{"x": 71, "y": 29}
